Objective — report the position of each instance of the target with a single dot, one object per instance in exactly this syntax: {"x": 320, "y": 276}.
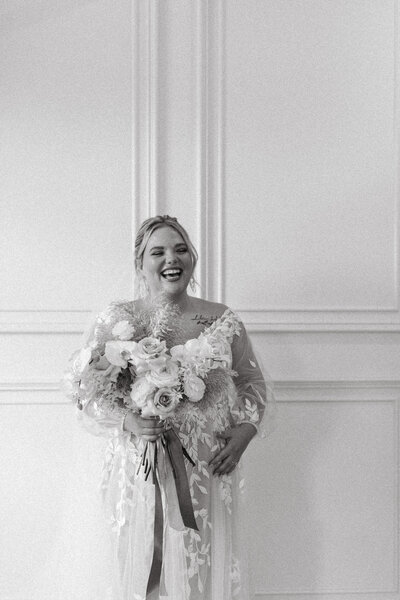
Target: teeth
{"x": 171, "y": 272}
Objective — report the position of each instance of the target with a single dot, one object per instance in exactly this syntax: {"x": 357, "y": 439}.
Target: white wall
{"x": 271, "y": 130}
{"x": 66, "y": 213}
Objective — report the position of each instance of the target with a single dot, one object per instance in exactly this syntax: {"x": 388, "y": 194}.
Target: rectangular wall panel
{"x": 66, "y": 156}
{"x": 310, "y": 145}
{"x": 324, "y": 496}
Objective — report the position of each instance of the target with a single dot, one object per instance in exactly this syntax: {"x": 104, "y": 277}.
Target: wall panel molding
{"x": 286, "y": 391}
{"x": 202, "y": 132}
{"x": 320, "y": 318}
{"x": 144, "y": 111}
{"x": 345, "y": 595}
{"x": 66, "y": 322}
{"x": 263, "y": 324}
{"x": 44, "y": 321}
{"x": 215, "y": 151}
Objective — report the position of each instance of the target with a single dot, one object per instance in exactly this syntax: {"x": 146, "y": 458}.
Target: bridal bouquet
{"x": 130, "y": 366}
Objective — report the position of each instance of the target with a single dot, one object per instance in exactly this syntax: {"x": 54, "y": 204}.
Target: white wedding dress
{"x": 110, "y": 532}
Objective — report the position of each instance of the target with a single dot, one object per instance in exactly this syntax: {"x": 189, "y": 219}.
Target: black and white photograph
{"x": 200, "y": 299}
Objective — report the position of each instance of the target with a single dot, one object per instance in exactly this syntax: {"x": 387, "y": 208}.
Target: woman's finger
{"x": 150, "y": 421}
{"x": 150, "y": 438}
{"x": 232, "y": 467}
{"x": 152, "y": 432}
{"x": 223, "y": 467}
{"x": 152, "y": 428}
{"x": 228, "y": 462}
{"x": 220, "y": 455}
{"x": 229, "y": 471}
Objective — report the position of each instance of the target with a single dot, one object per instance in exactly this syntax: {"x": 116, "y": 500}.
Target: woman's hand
{"x": 237, "y": 439}
{"x": 149, "y": 428}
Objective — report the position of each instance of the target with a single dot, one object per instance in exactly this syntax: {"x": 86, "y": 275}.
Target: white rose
{"x": 142, "y": 392}
{"x": 168, "y": 376}
{"x": 194, "y": 387}
{"x": 123, "y": 330}
{"x": 165, "y": 401}
{"x": 149, "y": 354}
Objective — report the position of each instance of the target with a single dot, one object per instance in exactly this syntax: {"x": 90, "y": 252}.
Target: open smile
{"x": 171, "y": 274}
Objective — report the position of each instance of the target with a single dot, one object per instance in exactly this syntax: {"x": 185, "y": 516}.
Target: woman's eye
{"x": 182, "y": 250}
{"x": 156, "y": 253}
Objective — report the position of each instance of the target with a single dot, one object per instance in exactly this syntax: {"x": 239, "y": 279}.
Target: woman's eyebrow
{"x": 162, "y": 247}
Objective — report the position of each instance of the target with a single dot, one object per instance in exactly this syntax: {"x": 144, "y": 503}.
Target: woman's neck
{"x": 183, "y": 301}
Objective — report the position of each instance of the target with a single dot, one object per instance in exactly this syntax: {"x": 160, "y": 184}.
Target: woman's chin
{"x": 174, "y": 288}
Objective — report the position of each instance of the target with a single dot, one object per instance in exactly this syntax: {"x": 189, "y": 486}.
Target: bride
{"x": 154, "y": 553}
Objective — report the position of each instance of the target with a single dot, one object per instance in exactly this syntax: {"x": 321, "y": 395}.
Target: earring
{"x": 143, "y": 287}
{"x": 193, "y": 284}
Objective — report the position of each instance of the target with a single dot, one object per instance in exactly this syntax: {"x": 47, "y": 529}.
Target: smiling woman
{"x": 168, "y": 256}
{"x": 172, "y": 382}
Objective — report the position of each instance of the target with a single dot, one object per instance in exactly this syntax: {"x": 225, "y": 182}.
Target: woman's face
{"x": 167, "y": 263}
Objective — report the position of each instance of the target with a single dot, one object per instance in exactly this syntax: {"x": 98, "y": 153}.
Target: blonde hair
{"x": 148, "y": 227}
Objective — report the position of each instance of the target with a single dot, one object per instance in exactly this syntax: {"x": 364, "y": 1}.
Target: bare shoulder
{"x": 206, "y": 307}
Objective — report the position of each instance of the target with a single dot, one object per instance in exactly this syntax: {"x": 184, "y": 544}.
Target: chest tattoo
{"x": 202, "y": 320}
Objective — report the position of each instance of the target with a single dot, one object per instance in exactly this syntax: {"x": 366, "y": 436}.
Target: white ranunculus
{"x": 123, "y": 330}
{"x": 168, "y": 376}
{"x": 119, "y": 352}
{"x": 194, "y": 387}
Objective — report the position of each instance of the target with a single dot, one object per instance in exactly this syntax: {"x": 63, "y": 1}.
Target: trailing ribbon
{"x": 175, "y": 452}
{"x": 156, "y": 565}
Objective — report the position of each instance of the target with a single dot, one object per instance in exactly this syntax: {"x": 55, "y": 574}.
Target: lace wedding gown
{"x": 208, "y": 564}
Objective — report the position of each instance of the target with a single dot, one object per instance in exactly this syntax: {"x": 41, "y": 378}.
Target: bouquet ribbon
{"x": 176, "y": 452}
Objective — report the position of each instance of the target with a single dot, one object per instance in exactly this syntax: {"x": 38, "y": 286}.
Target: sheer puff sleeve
{"x": 95, "y": 413}
{"x": 256, "y": 403}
